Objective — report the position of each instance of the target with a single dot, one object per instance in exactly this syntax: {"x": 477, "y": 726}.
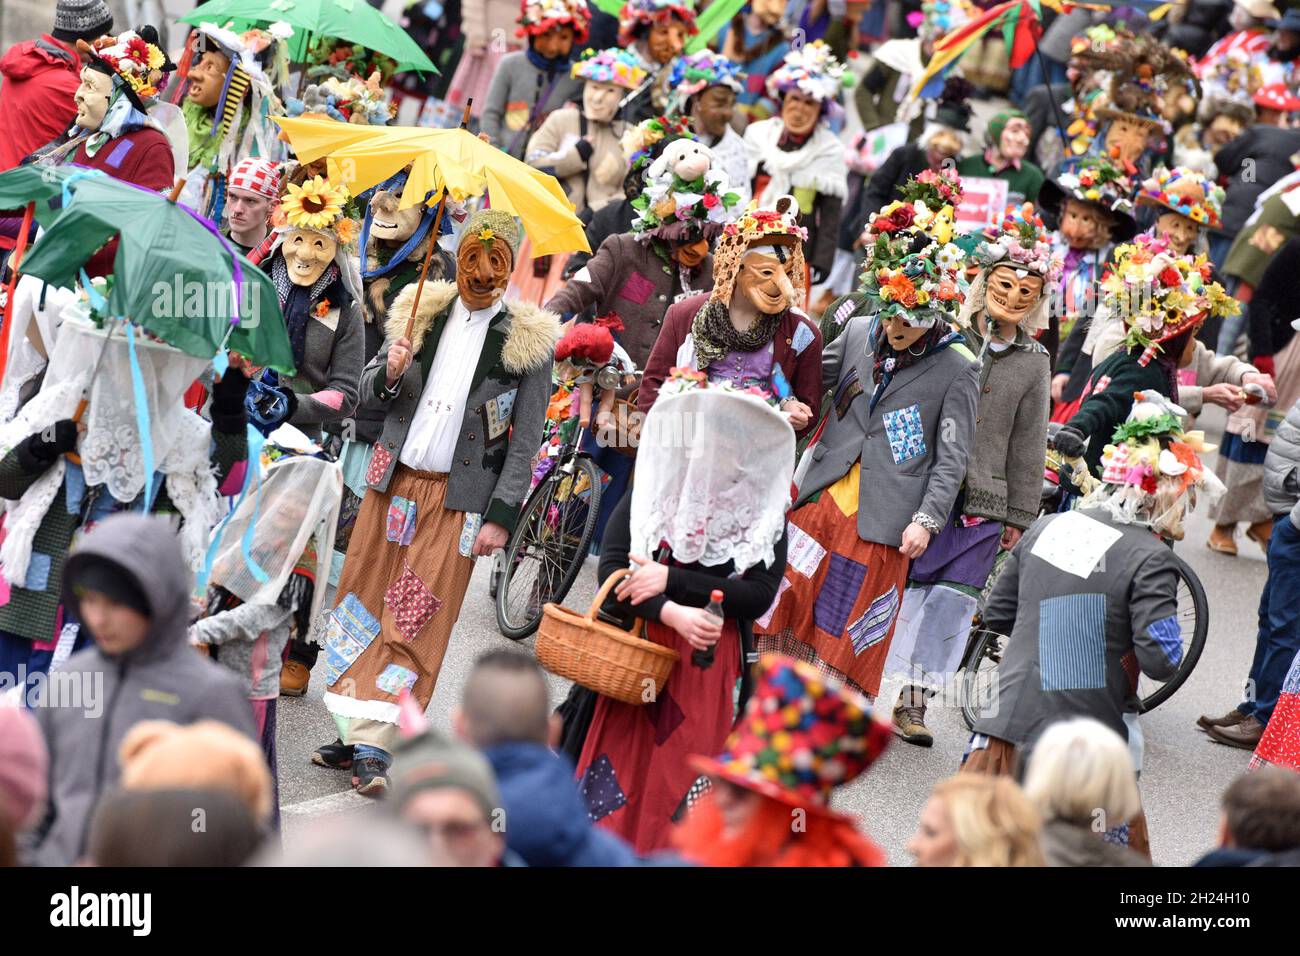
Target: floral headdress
{"x": 349, "y": 100}
{"x": 136, "y": 63}
{"x": 778, "y": 227}
{"x": 1143, "y": 71}
{"x": 638, "y": 141}
{"x": 1186, "y": 192}
{"x": 672, "y": 208}
{"x": 538, "y": 16}
{"x": 318, "y": 205}
{"x": 1160, "y": 294}
{"x": 638, "y": 13}
{"x": 1152, "y": 470}
{"x": 812, "y": 69}
{"x": 913, "y": 268}
{"x": 619, "y": 67}
{"x": 699, "y": 71}
{"x": 1098, "y": 181}
{"x": 1024, "y": 243}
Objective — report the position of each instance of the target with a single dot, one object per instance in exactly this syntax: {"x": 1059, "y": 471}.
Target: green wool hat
{"x": 502, "y": 225}
{"x": 999, "y": 122}
{"x": 431, "y": 761}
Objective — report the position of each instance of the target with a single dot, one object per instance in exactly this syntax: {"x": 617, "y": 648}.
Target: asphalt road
{"x": 1184, "y": 771}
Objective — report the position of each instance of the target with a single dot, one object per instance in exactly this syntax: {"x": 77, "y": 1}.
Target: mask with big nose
{"x": 92, "y": 98}
{"x": 482, "y": 271}
{"x": 307, "y": 254}
{"x": 389, "y": 223}
{"x": 763, "y": 281}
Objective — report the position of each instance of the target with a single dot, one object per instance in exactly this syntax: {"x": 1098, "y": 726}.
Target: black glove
{"x": 1069, "y": 442}
{"x": 38, "y": 452}
{"x": 585, "y": 149}
{"x": 227, "y": 408}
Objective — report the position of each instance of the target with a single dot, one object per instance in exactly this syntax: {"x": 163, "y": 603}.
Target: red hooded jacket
{"x": 40, "y": 79}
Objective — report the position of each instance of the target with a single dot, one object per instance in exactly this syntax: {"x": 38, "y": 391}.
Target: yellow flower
{"x": 156, "y": 58}
{"x": 485, "y": 235}
{"x": 346, "y": 230}
{"x": 315, "y": 204}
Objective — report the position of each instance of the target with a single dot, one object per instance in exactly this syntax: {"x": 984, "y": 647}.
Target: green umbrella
{"x": 42, "y": 185}
{"x": 353, "y": 20}
{"x": 172, "y": 273}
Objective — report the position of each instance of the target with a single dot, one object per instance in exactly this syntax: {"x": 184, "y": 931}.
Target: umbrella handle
{"x": 176, "y": 190}
{"x": 437, "y": 228}
{"x": 72, "y": 456}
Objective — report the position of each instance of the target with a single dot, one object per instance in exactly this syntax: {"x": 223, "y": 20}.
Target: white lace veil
{"x": 712, "y": 478}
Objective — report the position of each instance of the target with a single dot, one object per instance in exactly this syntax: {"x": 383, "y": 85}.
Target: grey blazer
{"x": 504, "y": 413}
{"x": 915, "y": 445}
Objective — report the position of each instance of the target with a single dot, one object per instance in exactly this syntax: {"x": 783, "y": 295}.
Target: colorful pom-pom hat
{"x": 619, "y": 67}
{"x": 1186, "y": 192}
{"x": 699, "y": 71}
{"x": 812, "y": 69}
{"x": 802, "y": 735}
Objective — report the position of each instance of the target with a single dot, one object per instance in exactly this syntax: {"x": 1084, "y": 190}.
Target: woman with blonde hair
{"x": 977, "y": 820}
{"x": 1081, "y": 779}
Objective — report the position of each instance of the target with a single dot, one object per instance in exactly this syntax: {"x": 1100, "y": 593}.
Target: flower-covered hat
{"x": 1186, "y": 192}
{"x": 349, "y": 100}
{"x": 801, "y": 736}
{"x": 639, "y": 141}
{"x": 1024, "y": 243}
{"x": 696, "y": 72}
{"x": 811, "y": 69}
{"x": 317, "y": 204}
{"x": 1142, "y": 73}
{"x": 778, "y": 227}
{"x": 538, "y": 16}
{"x": 913, "y": 268}
{"x": 1152, "y": 470}
{"x": 674, "y": 207}
{"x": 1160, "y": 294}
{"x": 136, "y": 62}
{"x": 619, "y": 67}
{"x": 643, "y": 13}
{"x": 1098, "y": 181}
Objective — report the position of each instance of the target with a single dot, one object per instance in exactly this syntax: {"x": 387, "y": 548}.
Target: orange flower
{"x": 901, "y": 290}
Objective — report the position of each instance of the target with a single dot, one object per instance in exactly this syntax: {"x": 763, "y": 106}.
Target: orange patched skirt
{"x": 838, "y": 601}
{"x": 398, "y": 598}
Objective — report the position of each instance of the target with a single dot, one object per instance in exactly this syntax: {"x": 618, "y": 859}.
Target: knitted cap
{"x": 23, "y": 763}
{"x": 82, "y": 16}
{"x": 431, "y": 762}
{"x": 999, "y": 122}
{"x": 500, "y": 225}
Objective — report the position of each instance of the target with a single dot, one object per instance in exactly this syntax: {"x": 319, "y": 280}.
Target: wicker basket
{"x": 602, "y": 657}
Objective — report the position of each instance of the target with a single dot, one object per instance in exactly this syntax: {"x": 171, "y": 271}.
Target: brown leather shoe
{"x": 1230, "y": 719}
{"x": 1221, "y": 539}
{"x": 1260, "y": 532}
{"x": 1244, "y": 735}
{"x": 294, "y": 678}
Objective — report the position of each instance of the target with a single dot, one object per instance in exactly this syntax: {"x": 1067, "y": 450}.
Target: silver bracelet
{"x": 926, "y": 522}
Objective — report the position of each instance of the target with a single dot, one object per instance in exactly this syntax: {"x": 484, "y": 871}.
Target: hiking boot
{"x": 909, "y": 723}
{"x": 336, "y": 756}
{"x": 1244, "y": 736}
{"x": 294, "y": 678}
{"x": 370, "y": 776}
{"x": 1230, "y": 719}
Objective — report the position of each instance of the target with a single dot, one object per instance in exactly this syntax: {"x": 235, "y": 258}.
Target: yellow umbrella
{"x": 453, "y": 160}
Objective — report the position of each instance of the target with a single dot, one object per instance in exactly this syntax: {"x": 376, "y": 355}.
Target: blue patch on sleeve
{"x": 118, "y": 154}
{"x": 38, "y": 572}
{"x": 1169, "y": 636}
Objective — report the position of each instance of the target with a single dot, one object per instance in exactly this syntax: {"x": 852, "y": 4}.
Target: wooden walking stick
{"x": 437, "y": 226}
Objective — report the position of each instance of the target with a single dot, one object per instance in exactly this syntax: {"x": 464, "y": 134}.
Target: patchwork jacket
{"x": 914, "y": 447}
{"x": 1077, "y": 644}
{"x": 504, "y": 412}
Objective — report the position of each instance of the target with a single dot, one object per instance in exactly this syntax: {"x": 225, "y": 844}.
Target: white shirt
{"x": 431, "y": 441}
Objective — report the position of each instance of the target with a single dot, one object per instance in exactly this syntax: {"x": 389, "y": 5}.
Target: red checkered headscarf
{"x": 256, "y": 176}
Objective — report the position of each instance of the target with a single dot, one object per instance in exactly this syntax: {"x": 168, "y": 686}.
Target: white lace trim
{"x": 379, "y": 710}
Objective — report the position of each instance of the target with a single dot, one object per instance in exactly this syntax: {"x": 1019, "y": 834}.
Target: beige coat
{"x": 484, "y": 21}
{"x": 588, "y": 183}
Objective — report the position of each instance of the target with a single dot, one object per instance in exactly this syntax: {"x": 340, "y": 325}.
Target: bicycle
{"x": 550, "y": 542}
{"x": 978, "y": 688}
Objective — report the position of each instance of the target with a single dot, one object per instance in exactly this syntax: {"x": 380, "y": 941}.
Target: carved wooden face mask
{"x": 390, "y": 223}
{"x": 1011, "y": 294}
{"x": 1130, "y": 136}
{"x": 207, "y": 77}
{"x": 1180, "y": 230}
{"x": 763, "y": 280}
{"x": 92, "y": 98}
{"x": 307, "y": 255}
{"x": 1084, "y": 226}
{"x": 482, "y": 271}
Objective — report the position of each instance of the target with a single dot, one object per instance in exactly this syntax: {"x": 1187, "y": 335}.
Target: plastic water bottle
{"x": 704, "y": 659}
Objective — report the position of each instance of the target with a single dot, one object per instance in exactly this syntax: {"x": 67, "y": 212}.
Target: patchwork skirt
{"x": 942, "y": 595}
{"x": 399, "y": 595}
{"x": 633, "y": 770}
{"x": 839, "y": 599}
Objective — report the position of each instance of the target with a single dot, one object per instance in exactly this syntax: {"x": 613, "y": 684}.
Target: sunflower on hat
{"x": 1161, "y": 294}
{"x": 317, "y": 204}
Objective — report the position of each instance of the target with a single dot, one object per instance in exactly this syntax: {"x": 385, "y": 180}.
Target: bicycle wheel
{"x": 548, "y": 546}
{"x": 978, "y": 688}
{"x": 1193, "y": 626}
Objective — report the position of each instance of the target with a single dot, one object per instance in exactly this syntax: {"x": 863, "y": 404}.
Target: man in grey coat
{"x": 130, "y": 586}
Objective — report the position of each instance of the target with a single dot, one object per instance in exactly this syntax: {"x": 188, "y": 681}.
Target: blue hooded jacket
{"x": 546, "y": 821}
